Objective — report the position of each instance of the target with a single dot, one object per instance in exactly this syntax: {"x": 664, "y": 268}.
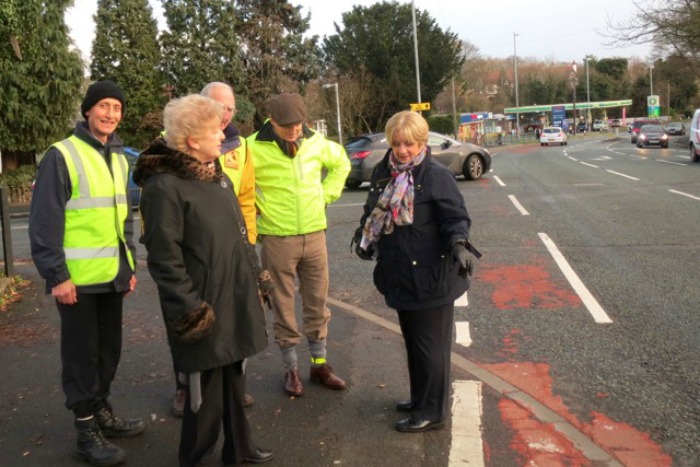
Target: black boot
{"x": 92, "y": 446}
{"x": 114, "y": 427}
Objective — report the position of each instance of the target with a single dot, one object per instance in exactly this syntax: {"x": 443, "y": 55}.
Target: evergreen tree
{"x": 201, "y": 45}
{"x": 126, "y": 50}
{"x": 378, "y": 40}
{"x": 40, "y": 78}
{"x": 276, "y": 56}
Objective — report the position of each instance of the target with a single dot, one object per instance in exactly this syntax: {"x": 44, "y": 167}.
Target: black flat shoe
{"x": 260, "y": 456}
{"x": 404, "y": 406}
{"x": 408, "y": 425}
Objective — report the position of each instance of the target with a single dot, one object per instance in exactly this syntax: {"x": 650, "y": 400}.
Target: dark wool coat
{"x": 200, "y": 258}
{"x": 414, "y": 268}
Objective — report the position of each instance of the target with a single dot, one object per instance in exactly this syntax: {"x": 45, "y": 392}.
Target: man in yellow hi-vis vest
{"x": 80, "y": 230}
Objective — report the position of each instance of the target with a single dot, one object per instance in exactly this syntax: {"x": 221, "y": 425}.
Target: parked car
{"x": 637, "y": 125}
{"x": 581, "y": 127}
{"x": 132, "y": 155}
{"x": 694, "y": 137}
{"x": 652, "y": 135}
{"x": 366, "y": 151}
{"x": 615, "y": 123}
{"x": 553, "y": 134}
{"x": 599, "y": 125}
{"x": 675, "y": 128}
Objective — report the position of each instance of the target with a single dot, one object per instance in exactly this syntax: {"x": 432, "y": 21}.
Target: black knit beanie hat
{"x": 101, "y": 90}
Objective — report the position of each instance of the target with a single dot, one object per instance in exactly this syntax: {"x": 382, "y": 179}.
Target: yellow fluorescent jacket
{"x": 95, "y": 213}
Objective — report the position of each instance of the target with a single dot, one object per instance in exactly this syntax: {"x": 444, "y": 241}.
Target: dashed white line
{"x": 594, "y": 308}
{"x": 498, "y": 180}
{"x": 518, "y": 206}
{"x": 590, "y": 165}
{"x": 463, "y": 300}
{"x": 621, "y": 174}
{"x": 684, "y": 194}
{"x": 669, "y": 162}
{"x": 467, "y": 447}
{"x": 463, "y": 337}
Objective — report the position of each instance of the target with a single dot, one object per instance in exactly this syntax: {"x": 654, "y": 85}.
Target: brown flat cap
{"x": 287, "y": 109}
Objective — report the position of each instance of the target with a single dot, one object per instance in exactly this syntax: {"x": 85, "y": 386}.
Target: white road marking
{"x": 590, "y": 165}
{"x": 338, "y": 205}
{"x": 467, "y": 447}
{"x": 621, "y": 175}
{"x": 594, "y": 308}
{"x": 670, "y": 162}
{"x": 518, "y": 206}
{"x": 463, "y": 300}
{"x": 498, "y": 180}
{"x": 684, "y": 194}
{"x": 463, "y": 337}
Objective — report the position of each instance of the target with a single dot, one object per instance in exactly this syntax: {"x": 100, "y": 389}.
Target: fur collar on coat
{"x": 159, "y": 158}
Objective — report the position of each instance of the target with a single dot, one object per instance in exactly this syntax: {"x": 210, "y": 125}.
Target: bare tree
{"x": 671, "y": 25}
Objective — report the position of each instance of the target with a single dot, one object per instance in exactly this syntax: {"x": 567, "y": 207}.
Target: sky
{"x": 550, "y": 30}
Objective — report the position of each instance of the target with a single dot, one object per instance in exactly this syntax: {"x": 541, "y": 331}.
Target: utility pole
{"x": 415, "y": 47}
{"x": 517, "y": 101}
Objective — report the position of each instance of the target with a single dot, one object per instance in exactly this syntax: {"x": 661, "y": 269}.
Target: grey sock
{"x": 289, "y": 357}
{"x": 318, "y": 352}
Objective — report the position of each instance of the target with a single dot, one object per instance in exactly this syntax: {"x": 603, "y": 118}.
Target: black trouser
{"x": 91, "y": 345}
{"x": 222, "y": 402}
{"x": 428, "y": 338}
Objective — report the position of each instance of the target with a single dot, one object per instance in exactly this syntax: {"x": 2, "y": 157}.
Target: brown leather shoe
{"x": 324, "y": 375}
{"x": 248, "y": 400}
{"x": 292, "y": 383}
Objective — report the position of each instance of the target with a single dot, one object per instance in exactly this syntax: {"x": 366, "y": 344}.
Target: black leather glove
{"x": 366, "y": 254}
{"x": 464, "y": 258}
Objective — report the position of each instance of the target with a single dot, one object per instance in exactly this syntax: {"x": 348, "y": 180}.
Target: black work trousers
{"x": 428, "y": 338}
{"x": 222, "y": 391}
{"x": 91, "y": 345}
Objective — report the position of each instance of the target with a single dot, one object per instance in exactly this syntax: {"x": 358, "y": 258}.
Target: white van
{"x": 694, "y": 137}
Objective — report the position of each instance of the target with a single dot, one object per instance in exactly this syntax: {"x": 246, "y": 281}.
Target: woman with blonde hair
{"x": 206, "y": 274}
{"x": 416, "y": 225}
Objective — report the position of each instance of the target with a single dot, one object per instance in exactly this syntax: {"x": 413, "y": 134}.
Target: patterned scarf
{"x": 395, "y": 205}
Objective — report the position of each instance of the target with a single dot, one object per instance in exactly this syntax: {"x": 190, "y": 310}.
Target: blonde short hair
{"x": 411, "y": 125}
{"x": 187, "y": 116}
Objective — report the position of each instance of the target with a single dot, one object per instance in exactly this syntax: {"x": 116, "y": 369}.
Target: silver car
{"x": 366, "y": 151}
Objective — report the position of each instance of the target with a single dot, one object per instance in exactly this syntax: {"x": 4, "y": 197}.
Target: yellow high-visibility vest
{"x": 95, "y": 213}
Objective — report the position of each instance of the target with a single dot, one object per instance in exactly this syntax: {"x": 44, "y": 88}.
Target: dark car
{"x": 581, "y": 127}
{"x": 675, "y": 128}
{"x": 132, "y": 156}
{"x": 652, "y": 134}
{"x": 462, "y": 158}
{"x": 637, "y": 125}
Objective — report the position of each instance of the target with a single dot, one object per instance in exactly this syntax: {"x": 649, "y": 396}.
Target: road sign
{"x": 420, "y": 106}
{"x": 653, "y": 106}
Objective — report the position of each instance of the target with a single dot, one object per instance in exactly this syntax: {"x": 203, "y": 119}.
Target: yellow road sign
{"x": 420, "y": 106}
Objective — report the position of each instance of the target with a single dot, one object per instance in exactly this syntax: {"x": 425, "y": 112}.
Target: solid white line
{"x": 467, "y": 447}
{"x": 463, "y": 300}
{"x": 463, "y": 337}
{"x": 684, "y": 194}
{"x": 518, "y": 206}
{"x": 338, "y": 205}
{"x": 670, "y": 162}
{"x": 498, "y": 180}
{"x": 594, "y": 308}
{"x": 621, "y": 175}
{"x": 590, "y": 165}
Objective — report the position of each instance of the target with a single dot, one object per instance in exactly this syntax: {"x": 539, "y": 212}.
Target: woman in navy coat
{"x": 416, "y": 225}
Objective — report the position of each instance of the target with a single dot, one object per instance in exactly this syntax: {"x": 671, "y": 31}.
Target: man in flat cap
{"x": 292, "y": 195}
{"x": 80, "y": 230}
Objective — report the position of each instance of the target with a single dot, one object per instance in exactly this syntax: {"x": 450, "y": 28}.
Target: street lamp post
{"x": 517, "y": 101}
{"x": 415, "y": 47}
{"x": 337, "y": 109}
{"x": 651, "y": 80}
{"x": 573, "y": 80}
{"x": 588, "y": 93}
